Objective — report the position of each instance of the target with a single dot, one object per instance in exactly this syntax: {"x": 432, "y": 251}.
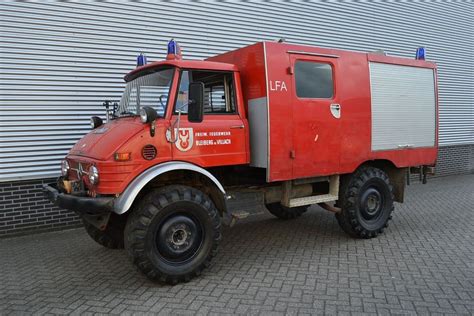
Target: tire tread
{"x": 135, "y": 230}
{"x": 350, "y": 187}
{"x": 112, "y": 237}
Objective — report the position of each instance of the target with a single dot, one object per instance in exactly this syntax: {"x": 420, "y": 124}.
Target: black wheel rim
{"x": 179, "y": 237}
{"x": 371, "y": 203}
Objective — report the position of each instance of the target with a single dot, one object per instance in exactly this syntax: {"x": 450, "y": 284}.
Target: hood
{"x": 105, "y": 140}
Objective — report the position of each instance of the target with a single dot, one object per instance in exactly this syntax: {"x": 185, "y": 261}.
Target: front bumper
{"x": 80, "y": 204}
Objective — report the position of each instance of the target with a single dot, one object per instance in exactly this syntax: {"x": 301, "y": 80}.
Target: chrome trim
{"x": 80, "y": 170}
{"x": 123, "y": 203}
{"x": 311, "y": 54}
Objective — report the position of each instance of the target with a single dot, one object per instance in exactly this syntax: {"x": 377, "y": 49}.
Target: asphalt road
{"x": 423, "y": 263}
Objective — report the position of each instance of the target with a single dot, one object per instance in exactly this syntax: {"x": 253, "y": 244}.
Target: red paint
{"x": 305, "y": 139}
{"x": 341, "y": 145}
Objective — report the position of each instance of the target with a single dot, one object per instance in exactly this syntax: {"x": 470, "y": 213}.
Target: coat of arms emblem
{"x": 185, "y": 138}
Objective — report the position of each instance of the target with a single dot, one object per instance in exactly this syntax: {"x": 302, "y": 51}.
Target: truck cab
{"x": 127, "y": 145}
{"x": 269, "y": 127}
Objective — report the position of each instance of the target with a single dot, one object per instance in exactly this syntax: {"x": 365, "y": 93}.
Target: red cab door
{"x": 316, "y": 116}
{"x": 220, "y": 139}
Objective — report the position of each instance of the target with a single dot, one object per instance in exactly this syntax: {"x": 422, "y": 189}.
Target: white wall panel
{"x": 60, "y": 60}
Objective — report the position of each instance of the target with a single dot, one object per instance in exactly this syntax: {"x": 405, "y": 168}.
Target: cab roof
{"x": 179, "y": 63}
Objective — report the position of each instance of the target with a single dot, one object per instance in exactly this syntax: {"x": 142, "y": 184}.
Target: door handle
{"x": 335, "y": 110}
{"x": 406, "y": 146}
{"x": 237, "y": 126}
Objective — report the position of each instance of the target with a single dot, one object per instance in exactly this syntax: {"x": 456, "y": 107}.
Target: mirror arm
{"x": 176, "y": 122}
{"x": 175, "y": 131}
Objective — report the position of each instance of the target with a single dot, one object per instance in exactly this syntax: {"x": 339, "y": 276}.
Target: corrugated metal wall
{"x": 60, "y": 60}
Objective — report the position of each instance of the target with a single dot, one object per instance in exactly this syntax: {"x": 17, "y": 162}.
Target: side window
{"x": 218, "y": 91}
{"x": 314, "y": 80}
{"x": 182, "y": 98}
{"x": 214, "y": 99}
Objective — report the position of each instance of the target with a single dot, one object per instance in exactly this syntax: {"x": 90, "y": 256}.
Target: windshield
{"x": 149, "y": 90}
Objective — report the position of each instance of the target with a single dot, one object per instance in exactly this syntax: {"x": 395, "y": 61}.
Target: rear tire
{"x": 366, "y": 201}
{"x": 173, "y": 234}
{"x": 112, "y": 236}
{"x": 283, "y": 212}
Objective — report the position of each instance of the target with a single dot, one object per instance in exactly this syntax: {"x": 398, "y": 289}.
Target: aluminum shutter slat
{"x": 60, "y": 60}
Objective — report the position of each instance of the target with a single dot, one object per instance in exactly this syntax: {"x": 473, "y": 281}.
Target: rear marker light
{"x": 122, "y": 156}
{"x": 149, "y": 152}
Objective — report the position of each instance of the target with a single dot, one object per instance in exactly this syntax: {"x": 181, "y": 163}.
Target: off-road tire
{"x": 158, "y": 217}
{"x": 112, "y": 236}
{"x": 360, "y": 216}
{"x": 283, "y": 212}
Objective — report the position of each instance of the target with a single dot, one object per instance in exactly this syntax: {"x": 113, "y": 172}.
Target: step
{"x": 315, "y": 199}
{"x": 240, "y": 215}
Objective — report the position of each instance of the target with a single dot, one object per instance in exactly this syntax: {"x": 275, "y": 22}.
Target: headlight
{"x": 93, "y": 175}
{"x": 143, "y": 115}
{"x": 64, "y": 167}
{"x": 96, "y": 122}
{"x": 148, "y": 114}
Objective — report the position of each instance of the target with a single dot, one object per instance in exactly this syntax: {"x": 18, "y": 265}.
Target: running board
{"x": 333, "y": 195}
{"x": 315, "y": 199}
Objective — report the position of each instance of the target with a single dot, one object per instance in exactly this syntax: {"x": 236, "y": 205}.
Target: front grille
{"x": 149, "y": 152}
{"x": 78, "y": 170}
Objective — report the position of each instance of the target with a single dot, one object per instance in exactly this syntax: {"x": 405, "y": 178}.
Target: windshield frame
{"x": 145, "y": 73}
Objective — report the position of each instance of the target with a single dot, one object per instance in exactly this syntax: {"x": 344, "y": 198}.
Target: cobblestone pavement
{"x": 424, "y": 263}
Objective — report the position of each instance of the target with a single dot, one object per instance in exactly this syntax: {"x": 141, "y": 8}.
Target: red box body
{"x": 304, "y": 138}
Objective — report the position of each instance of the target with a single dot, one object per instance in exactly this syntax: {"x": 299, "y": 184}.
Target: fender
{"x": 123, "y": 203}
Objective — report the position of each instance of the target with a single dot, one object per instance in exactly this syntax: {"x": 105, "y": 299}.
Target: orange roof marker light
{"x": 174, "y": 51}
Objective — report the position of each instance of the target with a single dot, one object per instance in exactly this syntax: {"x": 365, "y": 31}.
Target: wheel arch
{"x": 396, "y": 175}
{"x": 172, "y": 173}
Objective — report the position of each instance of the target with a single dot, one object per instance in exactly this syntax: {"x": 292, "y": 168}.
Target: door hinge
{"x": 291, "y": 70}
{"x": 292, "y": 154}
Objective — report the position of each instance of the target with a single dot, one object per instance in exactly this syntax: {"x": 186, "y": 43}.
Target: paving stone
{"x": 422, "y": 264}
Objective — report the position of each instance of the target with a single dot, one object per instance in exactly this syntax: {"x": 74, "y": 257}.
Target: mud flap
{"x": 99, "y": 221}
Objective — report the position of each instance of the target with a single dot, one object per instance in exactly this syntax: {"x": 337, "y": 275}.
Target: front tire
{"x": 366, "y": 201}
{"x": 112, "y": 236}
{"x": 173, "y": 234}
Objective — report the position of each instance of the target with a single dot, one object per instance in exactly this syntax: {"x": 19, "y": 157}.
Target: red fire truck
{"x": 276, "y": 126}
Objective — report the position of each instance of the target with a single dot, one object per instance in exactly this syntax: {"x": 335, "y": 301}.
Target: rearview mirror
{"x": 196, "y": 102}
